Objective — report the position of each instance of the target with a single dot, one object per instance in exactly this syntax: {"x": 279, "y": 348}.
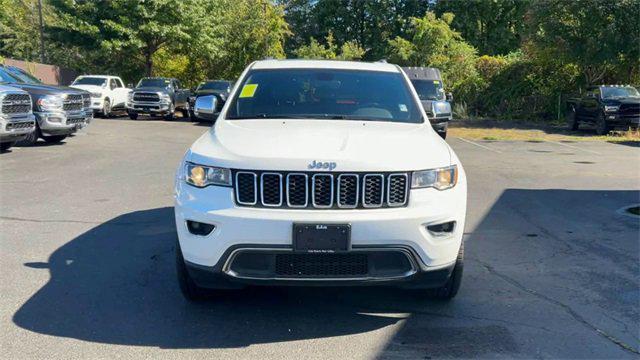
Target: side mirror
{"x": 205, "y": 105}
{"x": 449, "y": 96}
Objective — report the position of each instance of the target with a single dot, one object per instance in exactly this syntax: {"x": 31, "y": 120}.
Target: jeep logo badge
{"x": 319, "y": 165}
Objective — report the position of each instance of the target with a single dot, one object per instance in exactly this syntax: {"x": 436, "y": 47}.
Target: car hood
{"x": 89, "y": 88}
{"x": 620, "y": 101}
{"x": 41, "y": 89}
{"x": 151, "y": 89}
{"x": 210, "y": 92}
{"x": 291, "y": 145}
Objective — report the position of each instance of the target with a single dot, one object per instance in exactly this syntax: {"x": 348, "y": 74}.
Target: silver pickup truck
{"x": 16, "y": 116}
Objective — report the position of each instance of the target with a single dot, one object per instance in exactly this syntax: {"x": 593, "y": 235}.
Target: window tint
{"x": 112, "y": 84}
{"x": 90, "y": 81}
{"x": 119, "y": 83}
{"x": 325, "y": 94}
{"x": 429, "y": 89}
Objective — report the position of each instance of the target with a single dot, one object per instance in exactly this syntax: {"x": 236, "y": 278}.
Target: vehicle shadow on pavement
{"x": 528, "y": 261}
{"x": 116, "y": 284}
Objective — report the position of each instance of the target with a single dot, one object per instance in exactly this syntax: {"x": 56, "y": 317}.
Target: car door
{"x": 181, "y": 94}
{"x": 591, "y": 104}
{"x": 120, "y": 92}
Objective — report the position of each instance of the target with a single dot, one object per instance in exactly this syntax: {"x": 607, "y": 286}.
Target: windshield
{"x": 5, "y": 77}
{"x": 90, "y": 81}
{"x": 429, "y": 89}
{"x": 214, "y": 85}
{"x": 616, "y": 92}
{"x": 161, "y": 83}
{"x": 324, "y": 94}
{"x": 22, "y": 76}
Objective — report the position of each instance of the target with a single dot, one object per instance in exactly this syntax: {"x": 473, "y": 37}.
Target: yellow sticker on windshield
{"x": 248, "y": 90}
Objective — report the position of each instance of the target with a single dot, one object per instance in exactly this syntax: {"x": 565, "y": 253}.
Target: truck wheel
{"x": 443, "y": 134}
{"x": 53, "y": 138}
{"x": 186, "y": 112}
{"x": 450, "y": 289}
{"x": 6, "y": 145}
{"x": 572, "y": 121}
{"x": 106, "y": 109}
{"x": 133, "y": 116}
{"x": 31, "y": 139}
{"x": 188, "y": 287}
{"x": 602, "y": 128}
{"x": 171, "y": 114}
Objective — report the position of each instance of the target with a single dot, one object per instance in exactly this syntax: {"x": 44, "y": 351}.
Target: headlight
{"x": 441, "y": 107}
{"x": 611, "y": 108}
{"x": 165, "y": 98}
{"x": 96, "y": 95}
{"x": 441, "y": 179}
{"x": 130, "y": 97}
{"x": 202, "y": 176}
{"x": 50, "y": 102}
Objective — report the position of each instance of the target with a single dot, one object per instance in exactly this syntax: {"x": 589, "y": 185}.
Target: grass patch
{"x": 534, "y": 132}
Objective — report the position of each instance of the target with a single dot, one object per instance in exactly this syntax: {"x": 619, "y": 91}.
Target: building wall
{"x": 48, "y": 74}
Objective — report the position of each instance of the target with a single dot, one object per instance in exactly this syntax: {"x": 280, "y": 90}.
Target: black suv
{"x": 158, "y": 96}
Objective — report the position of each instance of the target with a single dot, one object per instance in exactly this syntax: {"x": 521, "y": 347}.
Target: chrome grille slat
{"x": 373, "y": 190}
{"x": 271, "y": 189}
{"x": 320, "y": 190}
{"x": 15, "y": 104}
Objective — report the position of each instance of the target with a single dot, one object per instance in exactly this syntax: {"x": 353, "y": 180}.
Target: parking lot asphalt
{"x": 87, "y": 234}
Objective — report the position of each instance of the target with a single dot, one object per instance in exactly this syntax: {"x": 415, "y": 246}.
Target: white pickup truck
{"x": 108, "y": 93}
{"x": 323, "y": 173}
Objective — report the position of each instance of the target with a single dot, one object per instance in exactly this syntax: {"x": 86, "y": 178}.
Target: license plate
{"x": 321, "y": 238}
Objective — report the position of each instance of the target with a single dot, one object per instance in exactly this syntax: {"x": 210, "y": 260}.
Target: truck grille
{"x": 73, "y": 102}
{"x": 20, "y": 125}
{"x": 629, "y": 109}
{"x": 321, "y": 190}
{"x": 86, "y": 101}
{"x": 146, "y": 97}
{"x": 16, "y": 104}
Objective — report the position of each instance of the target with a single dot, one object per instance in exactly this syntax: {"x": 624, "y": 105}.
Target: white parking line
{"x": 575, "y": 147}
{"x": 479, "y": 145}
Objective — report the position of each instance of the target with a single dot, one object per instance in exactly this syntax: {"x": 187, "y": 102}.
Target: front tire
{"x": 443, "y": 134}
{"x": 133, "y": 116}
{"x": 602, "y": 128}
{"x": 450, "y": 289}
{"x": 186, "y": 112}
{"x": 6, "y": 145}
{"x": 53, "y": 139}
{"x": 31, "y": 139}
{"x": 572, "y": 121}
{"x": 188, "y": 287}
{"x": 171, "y": 114}
{"x": 106, "y": 109}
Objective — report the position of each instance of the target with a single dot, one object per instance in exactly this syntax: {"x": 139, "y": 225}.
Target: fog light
{"x": 198, "y": 228}
{"x": 441, "y": 229}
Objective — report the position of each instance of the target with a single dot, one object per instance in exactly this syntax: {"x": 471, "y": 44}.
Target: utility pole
{"x": 42, "y": 60}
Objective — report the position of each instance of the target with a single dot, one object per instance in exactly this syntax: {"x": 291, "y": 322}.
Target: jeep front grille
{"x": 146, "y": 97}
{"x": 16, "y": 104}
{"x": 301, "y": 190}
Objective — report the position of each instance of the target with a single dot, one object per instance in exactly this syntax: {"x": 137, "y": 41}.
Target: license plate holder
{"x": 321, "y": 238}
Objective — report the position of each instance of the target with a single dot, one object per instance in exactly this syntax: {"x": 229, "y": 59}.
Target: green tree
{"x": 599, "y": 37}
{"x": 492, "y": 26}
{"x": 433, "y": 43}
{"x": 348, "y": 51}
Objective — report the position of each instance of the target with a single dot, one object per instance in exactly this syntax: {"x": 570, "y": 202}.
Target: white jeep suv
{"x": 320, "y": 173}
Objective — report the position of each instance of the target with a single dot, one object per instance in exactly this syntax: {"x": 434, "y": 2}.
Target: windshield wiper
{"x": 264, "y": 116}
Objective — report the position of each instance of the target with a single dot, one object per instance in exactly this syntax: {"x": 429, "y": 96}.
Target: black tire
{"x": 602, "y": 128}
{"x": 53, "y": 138}
{"x": 133, "y": 116}
{"x": 186, "y": 112}
{"x": 188, "y": 287}
{"x": 572, "y": 120}
{"x": 106, "y": 108}
{"x": 450, "y": 289}
{"x": 171, "y": 114}
{"x": 6, "y": 145}
{"x": 31, "y": 139}
{"x": 443, "y": 134}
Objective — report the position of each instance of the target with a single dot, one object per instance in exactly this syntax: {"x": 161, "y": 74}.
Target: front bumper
{"x": 148, "y": 107}
{"x": 15, "y": 128}
{"x": 623, "y": 120}
{"x": 63, "y": 123}
{"x": 395, "y": 229}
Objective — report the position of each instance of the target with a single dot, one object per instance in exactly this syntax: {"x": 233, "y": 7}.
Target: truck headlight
{"x": 441, "y": 179}
{"x": 612, "y": 108}
{"x": 202, "y": 176}
{"x": 96, "y": 95}
{"x": 165, "y": 98}
{"x": 50, "y": 102}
